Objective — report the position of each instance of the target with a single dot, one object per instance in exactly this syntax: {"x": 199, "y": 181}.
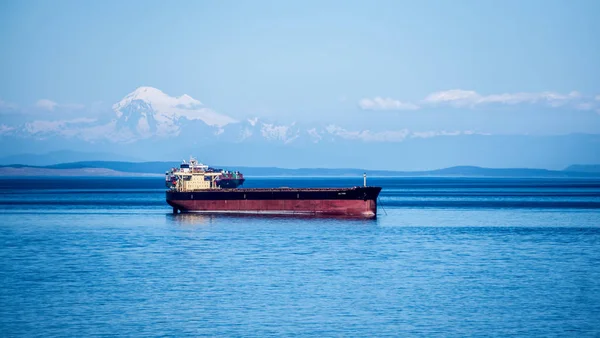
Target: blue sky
{"x": 499, "y": 64}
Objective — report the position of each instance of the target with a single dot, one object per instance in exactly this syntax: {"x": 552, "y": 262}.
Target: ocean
{"x": 445, "y": 257}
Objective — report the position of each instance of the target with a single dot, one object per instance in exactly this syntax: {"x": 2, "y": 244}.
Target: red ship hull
{"x": 351, "y": 202}
{"x": 366, "y": 209}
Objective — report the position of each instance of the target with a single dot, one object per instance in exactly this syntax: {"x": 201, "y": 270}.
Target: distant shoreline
{"x": 87, "y": 172}
{"x": 156, "y": 169}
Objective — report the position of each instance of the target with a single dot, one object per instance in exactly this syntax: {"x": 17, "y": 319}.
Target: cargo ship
{"x": 195, "y": 187}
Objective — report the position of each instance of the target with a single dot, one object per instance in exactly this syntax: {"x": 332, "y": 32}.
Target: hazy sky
{"x": 523, "y": 67}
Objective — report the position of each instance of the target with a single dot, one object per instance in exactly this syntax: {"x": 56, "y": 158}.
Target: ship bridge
{"x": 192, "y": 175}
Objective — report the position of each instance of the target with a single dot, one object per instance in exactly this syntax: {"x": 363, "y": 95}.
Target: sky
{"x": 497, "y": 67}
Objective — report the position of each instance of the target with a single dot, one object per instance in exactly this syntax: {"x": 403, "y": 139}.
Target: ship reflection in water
{"x": 191, "y": 219}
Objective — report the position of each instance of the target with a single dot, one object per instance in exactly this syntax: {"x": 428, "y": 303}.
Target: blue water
{"x": 445, "y": 257}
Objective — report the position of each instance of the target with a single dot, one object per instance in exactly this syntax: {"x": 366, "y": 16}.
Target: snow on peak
{"x": 157, "y": 98}
{"x": 147, "y": 92}
{"x": 186, "y": 100}
{"x": 278, "y": 132}
{"x": 168, "y": 109}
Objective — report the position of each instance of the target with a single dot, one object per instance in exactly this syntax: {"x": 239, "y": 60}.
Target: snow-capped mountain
{"x": 150, "y": 112}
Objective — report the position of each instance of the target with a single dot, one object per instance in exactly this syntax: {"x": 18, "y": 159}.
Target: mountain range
{"x": 148, "y": 124}
{"x": 149, "y": 114}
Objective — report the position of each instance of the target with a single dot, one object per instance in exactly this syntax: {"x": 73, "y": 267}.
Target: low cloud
{"x": 367, "y": 135}
{"x": 456, "y": 97}
{"x": 460, "y": 98}
{"x": 7, "y": 106}
{"x": 379, "y": 103}
{"x": 469, "y": 98}
{"x": 584, "y": 106}
{"x": 46, "y": 104}
{"x": 392, "y": 135}
{"x": 86, "y": 129}
{"x": 429, "y": 134}
{"x": 60, "y": 126}
{"x": 50, "y": 105}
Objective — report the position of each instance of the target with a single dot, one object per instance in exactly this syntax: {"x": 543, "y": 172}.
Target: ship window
{"x": 207, "y": 178}
{"x": 182, "y": 166}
